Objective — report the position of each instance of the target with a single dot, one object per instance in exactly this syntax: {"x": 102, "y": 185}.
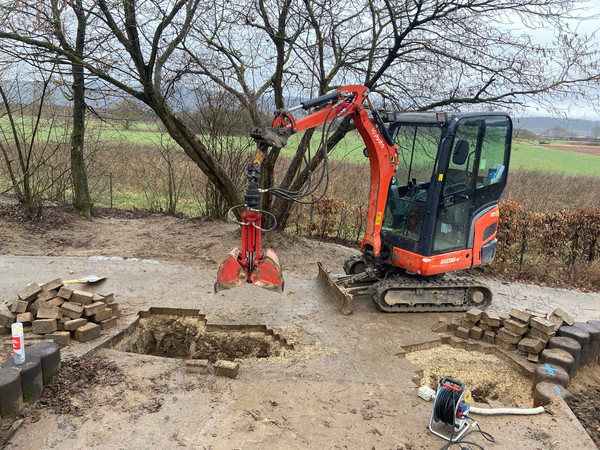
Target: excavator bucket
{"x": 266, "y": 274}
{"x": 231, "y": 273}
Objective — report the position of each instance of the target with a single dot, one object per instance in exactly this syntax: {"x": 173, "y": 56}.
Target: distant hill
{"x": 540, "y": 125}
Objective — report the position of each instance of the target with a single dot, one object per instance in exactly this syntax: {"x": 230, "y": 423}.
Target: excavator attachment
{"x": 249, "y": 265}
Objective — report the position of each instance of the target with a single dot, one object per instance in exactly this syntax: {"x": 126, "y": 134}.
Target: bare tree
{"x": 31, "y": 138}
{"x": 421, "y": 54}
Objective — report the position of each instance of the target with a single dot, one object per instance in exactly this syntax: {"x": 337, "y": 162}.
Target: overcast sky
{"x": 592, "y": 26}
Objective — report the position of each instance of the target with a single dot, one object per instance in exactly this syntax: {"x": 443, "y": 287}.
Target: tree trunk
{"x": 82, "y": 199}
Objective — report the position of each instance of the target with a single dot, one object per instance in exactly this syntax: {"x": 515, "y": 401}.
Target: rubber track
{"x": 398, "y": 282}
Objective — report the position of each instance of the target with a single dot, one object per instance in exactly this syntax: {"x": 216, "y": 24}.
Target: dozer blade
{"x": 267, "y": 274}
{"x": 344, "y": 288}
{"x": 231, "y": 273}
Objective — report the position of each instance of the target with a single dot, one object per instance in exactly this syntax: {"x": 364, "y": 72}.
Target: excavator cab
{"x": 441, "y": 213}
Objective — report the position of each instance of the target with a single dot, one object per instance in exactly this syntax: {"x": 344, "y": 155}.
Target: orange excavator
{"x": 436, "y": 179}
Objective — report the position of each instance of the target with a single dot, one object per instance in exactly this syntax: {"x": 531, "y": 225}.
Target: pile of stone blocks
{"x": 59, "y": 314}
{"x": 556, "y": 343}
{"x": 518, "y": 330}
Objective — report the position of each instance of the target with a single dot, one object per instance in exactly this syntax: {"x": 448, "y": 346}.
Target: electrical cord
{"x": 487, "y": 436}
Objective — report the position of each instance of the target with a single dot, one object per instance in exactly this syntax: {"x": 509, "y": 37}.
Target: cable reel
{"x": 451, "y": 407}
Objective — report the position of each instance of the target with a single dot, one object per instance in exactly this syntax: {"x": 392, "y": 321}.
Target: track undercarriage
{"x": 394, "y": 291}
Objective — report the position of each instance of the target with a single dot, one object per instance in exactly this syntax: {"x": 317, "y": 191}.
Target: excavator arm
{"x": 250, "y": 265}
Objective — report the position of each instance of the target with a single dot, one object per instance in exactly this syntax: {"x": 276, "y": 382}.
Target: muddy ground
{"x": 344, "y": 385}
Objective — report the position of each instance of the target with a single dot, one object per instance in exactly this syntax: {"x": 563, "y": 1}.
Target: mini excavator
{"x": 436, "y": 179}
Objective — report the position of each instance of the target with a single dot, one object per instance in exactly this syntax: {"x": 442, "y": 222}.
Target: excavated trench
{"x": 187, "y": 335}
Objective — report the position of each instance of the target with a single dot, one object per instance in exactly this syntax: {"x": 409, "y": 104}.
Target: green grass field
{"x": 529, "y": 157}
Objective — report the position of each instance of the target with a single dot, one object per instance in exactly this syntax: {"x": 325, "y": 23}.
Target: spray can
{"x": 17, "y": 343}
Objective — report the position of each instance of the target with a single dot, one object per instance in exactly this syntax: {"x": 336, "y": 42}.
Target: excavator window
{"x": 405, "y": 208}
{"x": 474, "y": 182}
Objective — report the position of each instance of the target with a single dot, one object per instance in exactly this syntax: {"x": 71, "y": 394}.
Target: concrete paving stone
{"x": 546, "y": 392}
{"x": 533, "y": 357}
{"x": 509, "y": 336}
{"x": 25, "y": 318}
{"x": 44, "y": 326}
{"x": 462, "y": 332}
{"x": 49, "y": 312}
{"x": 19, "y": 306}
{"x": 550, "y": 374}
{"x": 519, "y": 315}
{"x": 62, "y": 338}
{"x": 108, "y": 323}
{"x": 596, "y": 323}
{"x": 93, "y": 308}
{"x": 106, "y": 313}
{"x": 484, "y": 326}
{"x": 197, "y": 366}
{"x": 85, "y": 298}
{"x": 542, "y": 325}
{"x": 44, "y": 296}
{"x": 108, "y": 298}
{"x": 504, "y": 345}
{"x": 97, "y": 298}
{"x": 7, "y": 318}
{"x": 560, "y": 358}
{"x": 468, "y": 324}
{"x": 581, "y": 336}
{"x": 453, "y": 324}
{"x": 476, "y": 333}
{"x": 35, "y": 306}
{"x": 474, "y": 315}
{"x": 28, "y": 294}
{"x": 557, "y": 321}
{"x": 569, "y": 345}
{"x": 457, "y": 342}
{"x": 87, "y": 332}
{"x": 516, "y": 326}
{"x": 71, "y": 310}
{"x": 566, "y": 318}
{"x": 541, "y": 335}
{"x": 11, "y": 393}
{"x": 492, "y": 319}
{"x": 530, "y": 345}
{"x": 594, "y": 344}
{"x": 56, "y": 301}
{"x": 32, "y": 382}
{"x": 65, "y": 293}
{"x": 226, "y": 369}
{"x": 489, "y": 337}
{"x": 73, "y": 324}
{"x": 49, "y": 352}
{"x": 4, "y": 330}
{"x": 53, "y": 285}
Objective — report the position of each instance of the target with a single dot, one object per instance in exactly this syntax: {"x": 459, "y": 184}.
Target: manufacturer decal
{"x": 377, "y": 137}
{"x": 378, "y": 218}
{"x": 450, "y": 260}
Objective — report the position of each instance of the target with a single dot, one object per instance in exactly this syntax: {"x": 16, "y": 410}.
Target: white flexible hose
{"x": 501, "y": 411}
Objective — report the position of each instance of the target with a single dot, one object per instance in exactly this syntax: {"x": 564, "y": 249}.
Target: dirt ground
{"x": 342, "y": 386}
{"x": 590, "y": 148}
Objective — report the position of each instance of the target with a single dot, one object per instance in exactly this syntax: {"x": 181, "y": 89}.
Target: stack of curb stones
{"x": 52, "y": 311}
{"x": 559, "y": 345}
{"x": 23, "y": 383}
